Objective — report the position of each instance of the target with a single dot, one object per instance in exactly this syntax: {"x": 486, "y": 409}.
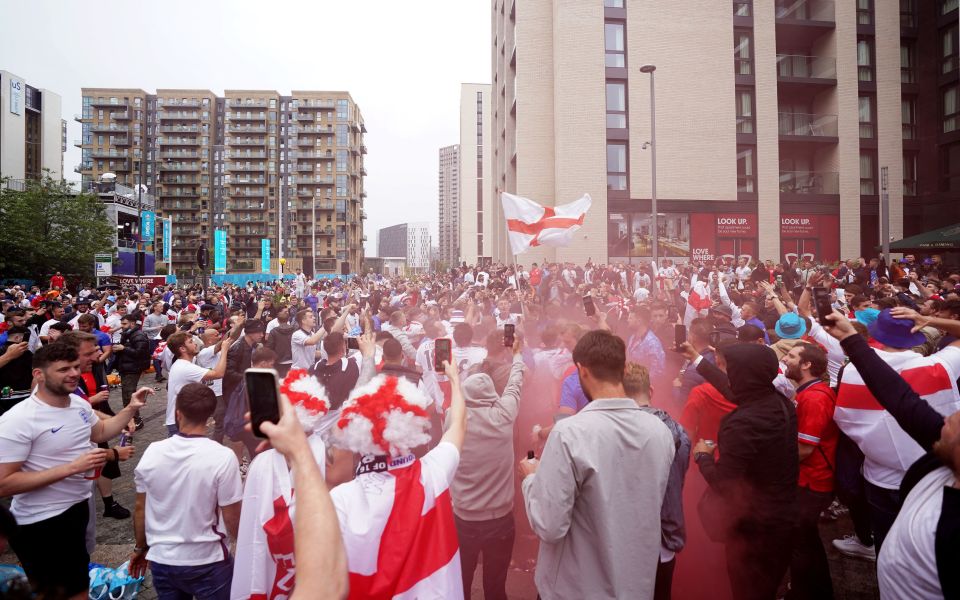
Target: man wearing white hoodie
{"x": 483, "y": 490}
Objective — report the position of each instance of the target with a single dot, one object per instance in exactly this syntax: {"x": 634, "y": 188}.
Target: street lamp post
{"x": 653, "y": 163}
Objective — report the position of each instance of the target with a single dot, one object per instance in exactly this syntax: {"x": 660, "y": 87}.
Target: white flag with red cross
{"x": 530, "y": 224}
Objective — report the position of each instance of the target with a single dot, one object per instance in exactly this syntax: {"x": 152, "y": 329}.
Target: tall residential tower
{"x": 449, "y": 205}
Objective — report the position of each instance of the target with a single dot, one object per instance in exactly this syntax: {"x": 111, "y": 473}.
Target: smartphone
{"x": 441, "y": 353}
{"x": 821, "y": 302}
{"x": 508, "y": 335}
{"x": 353, "y": 343}
{"x": 679, "y": 336}
{"x": 588, "y": 306}
{"x": 263, "y": 394}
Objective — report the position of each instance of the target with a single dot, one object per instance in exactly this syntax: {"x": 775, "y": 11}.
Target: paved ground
{"x": 853, "y": 579}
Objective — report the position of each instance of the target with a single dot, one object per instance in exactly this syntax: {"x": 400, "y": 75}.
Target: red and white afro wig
{"x": 387, "y": 416}
{"x": 308, "y": 397}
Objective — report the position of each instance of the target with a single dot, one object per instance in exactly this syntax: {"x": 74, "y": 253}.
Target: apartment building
{"x": 449, "y": 205}
{"x": 407, "y": 241}
{"x": 774, "y": 122}
{"x": 480, "y": 213}
{"x": 33, "y": 136}
{"x": 254, "y": 163}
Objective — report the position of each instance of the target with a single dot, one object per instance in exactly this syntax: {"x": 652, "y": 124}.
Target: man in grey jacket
{"x": 483, "y": 488}
{"x": 594, "y": 497}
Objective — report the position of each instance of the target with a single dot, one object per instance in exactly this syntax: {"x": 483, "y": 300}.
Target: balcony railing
{"x": 165, "y": 102}
{"x": 100, "y": 128}
{"x": 108, "y": 154}
{"x": 178, "y": 141}
{"x": 110, "y": 102}
{"x": 247, "y": 116}
{"x": 806, "y": 10}
{"x": 867, "y": 131}
{"x": 806, "y": 67}
{"x": 246, "y": 155}
{"x": 242, "y": 167}
{"x": 178, "y": 129}
{"x": 178, "y": 114}
{"x": 315, "y": 104}
{"x": 247, "y": 142}
{"x": 807, "y": 125}
{"x": 908, "y": 75}
{"x": 314, "y": 180}
{"x": 179, "y": 166}
{"x": 809, "y": 182}
{"x": 250, "y": 181}
{"x": 247, "y": 103}
{"x": 304, "y": 116}
{"x": 311, "y": 129}
{"x": 182, "y": 155}
{"x": 909, "y": 131}
{"x": 247, "y": 128}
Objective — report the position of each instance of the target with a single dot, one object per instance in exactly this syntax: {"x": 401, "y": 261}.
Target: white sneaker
{"x": 851, "y": 545}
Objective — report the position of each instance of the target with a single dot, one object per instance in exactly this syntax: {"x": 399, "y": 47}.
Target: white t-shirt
{"x": 208, "y": 359}
{"x": 114, "y": 321}
{"x": 483, "y": 278}
{"x": 907, "y": 565}
{"x": 641, "y": 294}
{"x": 468, "y": 356}
{"x": 42, "y": 437}
{"x": 45, "y": 328}
{"x": 185, "y": 479}
{"x": 302, "y": 354}
{"x": 182, "y": 372}
{"x": 272, "y": 325}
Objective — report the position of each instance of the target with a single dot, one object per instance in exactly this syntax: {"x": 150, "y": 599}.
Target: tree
{"x": 46, "y": 227}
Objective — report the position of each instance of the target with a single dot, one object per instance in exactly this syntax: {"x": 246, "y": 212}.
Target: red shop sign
{"x": 737, "y": 225}
{"x": 796, "y": 225}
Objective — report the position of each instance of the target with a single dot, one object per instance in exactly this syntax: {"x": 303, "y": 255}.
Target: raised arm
{"x": 458, "y": 409}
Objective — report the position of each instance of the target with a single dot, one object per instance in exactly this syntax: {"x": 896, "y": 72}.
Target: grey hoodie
{"x": 483, "y": 486}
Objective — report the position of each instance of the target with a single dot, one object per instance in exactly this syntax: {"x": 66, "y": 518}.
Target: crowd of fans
{"x": 671, "y": 430}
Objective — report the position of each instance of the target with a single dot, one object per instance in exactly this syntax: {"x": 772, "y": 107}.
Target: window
{"x": 341, "y": 160}
{"x": 866, "y": 117}
{"x": 744, "y": 111}
{"x": 948, "y": 5}
{"x": 746, "y": 170}
{"x": 616, "y": 105}
{"x": 613, "y": 3}
{"x": 617, "y": 167}
{"x": 951, "y": 108}
{"x": 742, "y": 8}
{"x": 864, "y": 12}
{"x": 615, "y": 44}
{"x": 742, "y": 54}
{"x": 908, "y": 13}
{"x": 342, "y": 135}
{"x": 908, "y": 116}
{"x": 868, "y": 183}
{"x": 909, "y": 174}
{"x": 865, "y": 60}
{"x": 948, "y": 52}
{"x": 907, "y": 74}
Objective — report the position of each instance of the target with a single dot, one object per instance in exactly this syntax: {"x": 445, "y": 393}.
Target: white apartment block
{"x": 32, "y": 132}
{"x": 449, "y": 205}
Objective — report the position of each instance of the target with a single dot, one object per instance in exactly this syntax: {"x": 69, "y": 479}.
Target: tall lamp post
{"x": 653, "y": 163}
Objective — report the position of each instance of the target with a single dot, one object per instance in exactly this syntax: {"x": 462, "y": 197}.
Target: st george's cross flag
{"x": 530, "y": 224}
{"x": 889, "y": 450}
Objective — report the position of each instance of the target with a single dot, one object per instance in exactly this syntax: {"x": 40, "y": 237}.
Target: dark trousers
{"x": 757, "y": 559}
{"x": 851, "y": 487}
{"x": 493, "y": 539}
{"x": 128, "y": 385}
{"x": 809, "y": 569}
{"x": 203, "y": 582}
{"x": 53, "y": 552}
{"x": 663, "y": 589}
{"x": 884, "y": 506}
{"x": 218, "y": 415}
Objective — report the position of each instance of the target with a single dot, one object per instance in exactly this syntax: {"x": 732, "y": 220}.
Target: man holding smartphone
{"x": 184, "y": 371}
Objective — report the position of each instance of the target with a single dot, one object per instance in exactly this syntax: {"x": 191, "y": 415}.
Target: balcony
{"x": 246, "y": 128}
{"x": 81, "y": 143}
{"x": 178, "y": 115}
{"x": 120, "y": 165}
{"x": 248, "y": 181}
{"x": 79, "y": 118}
{"x": 163, "y": 166}
{"x": 110, "y": 102}
{"x": 804, "y": 70}
{"x": 247, "y": 103}
{"x": 246, "y": 116}
{"x": 363, "y": 150}
{"x": 240, "y": 206}
{"x": 167, "y": 103}
{"x": 312, "y": 104}
{"x": 178, "y": 142}
{"x": 122, "y": 115}
{"x": 325, "y": 231}
{"x": 249, "y": 233}
{"x": 311, "y": 130}
{"x": 313, "y": 180}
{"x": 308, "y": 155}
{"x": 181, "y": 194}
{"x": 242, "y": 167}
{"x": 805, "y": 127}
{"x": 807, "y": 12}
{"x": 180, "y": 181}
{"x": 83, "y": 167}
{"x": 310, "y": 143}
{"x": 178, "y": 129}
{"x": 104, "y": 128}
{"x": 176, "y": 206}
{"x": 180, "y": 155}
{"x": 124, "y": 141}
{"x": 252, "y": 192}
{"x": 304, "y": 116}
{"x": 248, "y": 142}
{"x": 810, "y": 182}
{"x": 248, "y": 154}
{"x": 305, "y": 168}
{"x": 108, "y": 154}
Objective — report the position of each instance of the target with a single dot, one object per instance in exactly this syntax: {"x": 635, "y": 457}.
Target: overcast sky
{"x": 403, "y": 62}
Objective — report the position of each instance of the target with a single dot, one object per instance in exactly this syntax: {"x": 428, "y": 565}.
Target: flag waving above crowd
{"x": 530, "y": 224}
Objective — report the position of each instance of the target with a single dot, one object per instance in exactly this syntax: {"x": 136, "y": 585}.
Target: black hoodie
{"x": 757, "y": 442}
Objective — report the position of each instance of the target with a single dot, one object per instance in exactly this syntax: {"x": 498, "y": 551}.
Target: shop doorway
{"x": 737, "y": 248}
{"x": 800, "y": 249}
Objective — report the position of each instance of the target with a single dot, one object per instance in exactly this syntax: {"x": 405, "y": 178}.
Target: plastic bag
{"x": 12, "y": 580}
{"x": 113, "y": 584}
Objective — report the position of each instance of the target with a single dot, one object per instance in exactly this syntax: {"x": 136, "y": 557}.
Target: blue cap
{"x": 867, "y": 316}
{"x": 896, "y": 333}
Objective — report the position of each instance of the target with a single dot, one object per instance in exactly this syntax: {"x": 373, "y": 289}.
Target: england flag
{"x": 530, "y": 224}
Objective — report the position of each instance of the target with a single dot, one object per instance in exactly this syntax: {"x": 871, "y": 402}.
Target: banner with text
{"x": 265, "y": 255}
{"x": 148, "y": 225}
{"x": 220, "y": 251}
{"x": 167, "y": 239}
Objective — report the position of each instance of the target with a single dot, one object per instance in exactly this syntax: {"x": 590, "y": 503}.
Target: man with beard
{"x": 46, "y": 464}
{"x": 919, "y": 557}
{"x": 817, "y": 445}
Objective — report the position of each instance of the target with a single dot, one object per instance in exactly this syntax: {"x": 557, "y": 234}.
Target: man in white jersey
{"x": 47, "y": 459}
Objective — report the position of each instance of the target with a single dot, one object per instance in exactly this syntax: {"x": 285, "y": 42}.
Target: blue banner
{"x": 265, "y": 255}
{"x": 167, "y": 239}
{"x": 220, "y": 251}
{"x": 148, "y": 224}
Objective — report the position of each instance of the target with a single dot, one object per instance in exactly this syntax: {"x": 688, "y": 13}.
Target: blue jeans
{"x": 203, "y": 582}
